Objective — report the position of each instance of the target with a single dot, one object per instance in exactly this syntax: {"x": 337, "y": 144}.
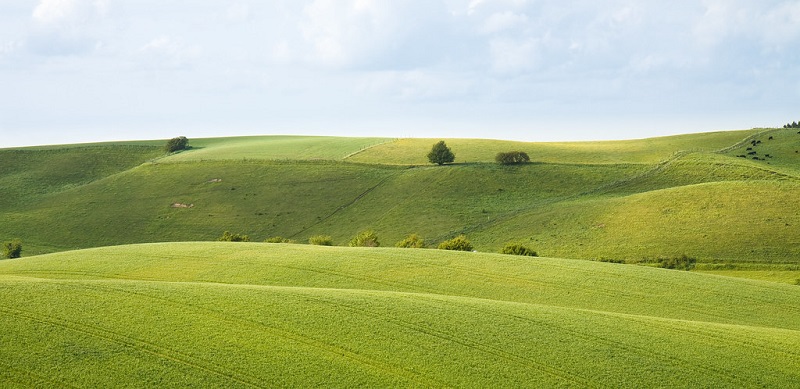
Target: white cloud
{"x": 53, "y": 12}
{"x": 67, "y": 27}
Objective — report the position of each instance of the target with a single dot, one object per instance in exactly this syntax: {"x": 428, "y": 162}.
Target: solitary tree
{"x": 175, "y": 144}
{"x": 440, "y": 154}
{"x": 12, "y": 249}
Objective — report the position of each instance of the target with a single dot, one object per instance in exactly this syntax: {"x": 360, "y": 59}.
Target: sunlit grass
{"x": 248, "y": 314}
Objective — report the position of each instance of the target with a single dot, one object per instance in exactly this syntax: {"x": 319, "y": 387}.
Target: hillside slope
{"x": 722, "y": 197}
{"x": 263, "y": 315}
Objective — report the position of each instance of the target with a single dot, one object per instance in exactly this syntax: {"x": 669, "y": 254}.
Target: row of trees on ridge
{"x": 369, "y": 238}
{"x": 440, "y": 154}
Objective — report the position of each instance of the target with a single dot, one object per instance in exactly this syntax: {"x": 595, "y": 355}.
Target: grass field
{"x": 265, "y": 315}
{"x": 627, "y": 200}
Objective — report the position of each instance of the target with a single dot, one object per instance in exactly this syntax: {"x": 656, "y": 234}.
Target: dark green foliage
{"x": 278, "y": 239}
{"x": 440, "y": 154}
{"x": 683, "y": 262}
{"x": 610, "y": 260}
{"x": 412, "y": 241}
{"x": 12, "y": 249}
{"x": 792, "y": 125}
{"x": 518, "y": 249}
{"x": 512, "y": 158}
{"x": 176, "y": 144}
{"x": 228, "y": 237}
{"x": 365, "y": 239}
{"x": 459, "y": 243}
{"x": 321, "y": 240}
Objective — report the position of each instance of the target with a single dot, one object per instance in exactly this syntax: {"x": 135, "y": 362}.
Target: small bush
{"x": 278, "y": 239}
{"x": 610, "y": 260}
{"x": 228, "y": 237}
{"x": 459, "y": 243}
{"x": 512, "y": 158}
{"x": 518, "y": 249}
{"x": 176, "y": 144}
{"x": 12, "y": 249}
{"x": 321, "y": 240}
{"x": 412, "y": 241}
{"x": 683, "y": 262}
{"x": 365, "y": 239}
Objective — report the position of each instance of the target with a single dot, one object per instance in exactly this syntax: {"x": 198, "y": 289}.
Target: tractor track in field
{"x": 311, "y": 342}
{"x": 627, "y": 347}
{"x": 134, "y": 343}
{"x": 470, "y": 344}
{"x": 346, "y": 205}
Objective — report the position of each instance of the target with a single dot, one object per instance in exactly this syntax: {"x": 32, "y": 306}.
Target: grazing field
{"x": 265, "y": 315}
{"x": 275, "y": 148}
{"x": 727, "y": 199}
{"x": 652, "y": 150}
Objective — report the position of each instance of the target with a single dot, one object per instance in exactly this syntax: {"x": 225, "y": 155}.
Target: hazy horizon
{"x": 78, "y": 71}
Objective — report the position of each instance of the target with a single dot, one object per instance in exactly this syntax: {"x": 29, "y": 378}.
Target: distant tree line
{"x": 369, "y": 238}
{"x": 792, "y": 125}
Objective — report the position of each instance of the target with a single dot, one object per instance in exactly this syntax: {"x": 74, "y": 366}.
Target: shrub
{"x": 683, "y": 262}
{"x": 440, "y": 154}
{"x": 176, "y": 144}
{"x": 365, "y": 239}
{"x": 512, "y": 158}
{"x": 12, "y": 249}
{"x": 459, "y": 243}
{"x": 610, "y": 260}
{"x": 518, "y": 249}
{"x": 278, "y": 239}
{"x": 321, "y": 240}
{"x": 412, "y": 241}
{"x": 228, "y": 237}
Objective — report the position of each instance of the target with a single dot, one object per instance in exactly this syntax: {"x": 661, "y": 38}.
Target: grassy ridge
{"x": 648, "y": 151}
{"x": 286, "y": 315}
{"x": 582, "y": 200}
{"x": 274, "y": 147}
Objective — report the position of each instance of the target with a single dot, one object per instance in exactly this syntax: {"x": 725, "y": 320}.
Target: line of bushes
{"x": 369, "y": 238}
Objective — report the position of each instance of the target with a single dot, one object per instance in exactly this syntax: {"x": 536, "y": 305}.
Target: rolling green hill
{"x": 727, "y": 198}
{"x": 266, "y": 315}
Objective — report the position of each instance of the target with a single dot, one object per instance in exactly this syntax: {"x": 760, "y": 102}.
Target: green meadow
{"x": 266, "y": 315}
{"x": 632, "y": 200}
{"x": 122, "y": 283}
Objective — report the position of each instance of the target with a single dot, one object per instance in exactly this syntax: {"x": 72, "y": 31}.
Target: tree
{"x": 459, "y": 243}
{"x": 518, "y": 249}
{"x": 228, "y": 237}
{"x": 12, "y": 249}
{"x": 440, "y": 154}
{"x": 176, "y": 144}
{"x": 512, "y": 158}
{"x": 412, "y": 241}
{"x": 365, "y": 239}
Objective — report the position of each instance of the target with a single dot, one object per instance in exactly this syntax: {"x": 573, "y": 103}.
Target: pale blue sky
{"x": 538, "y": 70}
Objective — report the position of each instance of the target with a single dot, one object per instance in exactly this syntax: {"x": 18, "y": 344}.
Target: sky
{"x": 76, "y": 71}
